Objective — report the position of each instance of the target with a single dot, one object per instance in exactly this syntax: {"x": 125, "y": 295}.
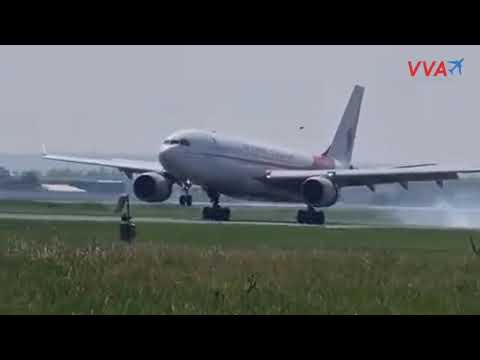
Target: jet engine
{"x": 319, "y": 191}
{"x": 152, "y": 187}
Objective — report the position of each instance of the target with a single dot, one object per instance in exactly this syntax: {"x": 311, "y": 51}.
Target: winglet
{"x": 44, "y": 150}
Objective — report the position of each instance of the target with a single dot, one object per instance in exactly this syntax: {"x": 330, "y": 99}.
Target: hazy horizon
{"x": 126, "y": 99}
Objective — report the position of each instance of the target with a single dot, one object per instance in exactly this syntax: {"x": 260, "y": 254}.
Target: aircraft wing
{"x": 414, "y": 165}
{"x": 128, "y": 166}
{"x": 370, "y": 177}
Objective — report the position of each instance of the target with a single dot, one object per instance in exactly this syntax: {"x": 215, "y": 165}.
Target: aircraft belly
{"x": 231, "y": 177}
{"x": 241, "y": 180}
{"x": 205, "y": 170}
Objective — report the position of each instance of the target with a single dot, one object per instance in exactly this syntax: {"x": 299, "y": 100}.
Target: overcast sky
{"x": 126, "y": 99}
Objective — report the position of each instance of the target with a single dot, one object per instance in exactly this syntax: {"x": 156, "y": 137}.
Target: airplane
{"x": 456, "y": 64}
{"x": 244, "y": 169}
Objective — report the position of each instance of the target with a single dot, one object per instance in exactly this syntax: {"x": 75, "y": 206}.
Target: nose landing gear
{"x": 310, "y": 216}
{"x": 186, "y": 200}
{"x": 215, "y": 212}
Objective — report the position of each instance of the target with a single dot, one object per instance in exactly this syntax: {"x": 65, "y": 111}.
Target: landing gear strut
{"x": 215, "y": 212}
{"x": 186, "y": 200}
{"x": 310, "y": 216}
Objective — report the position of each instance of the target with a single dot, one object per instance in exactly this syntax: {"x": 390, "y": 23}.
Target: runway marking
{"x": 77, "y": 218}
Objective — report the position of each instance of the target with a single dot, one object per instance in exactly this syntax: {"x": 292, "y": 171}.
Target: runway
{"x": 87, "y": 218}
{"x": 160, "y": 220}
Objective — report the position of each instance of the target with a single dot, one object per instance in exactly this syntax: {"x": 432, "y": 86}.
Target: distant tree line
{"x": 100, "y": 173}
{"x": 31, "y": 179}
{"x": 25, "y": 180}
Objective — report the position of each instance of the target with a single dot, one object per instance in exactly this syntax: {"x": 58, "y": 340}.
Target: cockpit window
{"x": 184, "y": 142}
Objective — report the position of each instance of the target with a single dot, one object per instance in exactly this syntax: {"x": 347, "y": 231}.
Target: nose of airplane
{"x": 165, "y": 156}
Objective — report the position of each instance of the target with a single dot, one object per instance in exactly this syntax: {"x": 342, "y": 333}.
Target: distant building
{"x": 4, "y": 173}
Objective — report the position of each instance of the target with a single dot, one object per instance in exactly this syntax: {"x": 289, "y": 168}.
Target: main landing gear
{"x": 310, "y": 216}
{"x": 186, "y": 200}
{"x": 215, "y": 212}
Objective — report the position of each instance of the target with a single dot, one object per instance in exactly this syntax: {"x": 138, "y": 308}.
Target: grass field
{"x": 82, "y": 268}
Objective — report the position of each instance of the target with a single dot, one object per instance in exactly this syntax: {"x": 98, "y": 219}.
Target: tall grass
{"x": 49, "y": 276}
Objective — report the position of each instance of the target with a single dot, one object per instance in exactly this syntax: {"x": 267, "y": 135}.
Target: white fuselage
{"x": 232, "y": 166}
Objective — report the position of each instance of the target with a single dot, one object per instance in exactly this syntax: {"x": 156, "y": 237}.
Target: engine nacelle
{"x": 319, "y": 191}
{"x": 152, "y": 187}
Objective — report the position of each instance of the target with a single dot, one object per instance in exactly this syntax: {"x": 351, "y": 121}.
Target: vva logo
{"x": 435, "y": 68}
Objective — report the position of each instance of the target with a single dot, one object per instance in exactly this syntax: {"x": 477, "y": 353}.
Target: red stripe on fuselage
{"x": 322, "y": 162}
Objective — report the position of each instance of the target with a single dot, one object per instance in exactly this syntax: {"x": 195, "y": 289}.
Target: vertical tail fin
{"x": 342, "y": 145}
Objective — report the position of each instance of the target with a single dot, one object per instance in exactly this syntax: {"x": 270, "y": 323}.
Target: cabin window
{"x": 171, "y": 142}
{"x": 184, "y": 142}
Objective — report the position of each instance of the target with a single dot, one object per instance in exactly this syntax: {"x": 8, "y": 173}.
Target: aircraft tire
{"x": 301, "y": 216}
{"x": 319, "y": 218}
{"x": 182, "y": 200}
{"x": 225, "y": 214}
{"x": 206, "y": 213}
{"x": 188, "y": 200}
{"x": 216, "y": 213}
{"x": 310, "y": 217}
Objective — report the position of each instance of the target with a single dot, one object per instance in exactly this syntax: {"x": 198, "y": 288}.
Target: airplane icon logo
{"x": 435, "y": 68}
{"x": 457, "y": 64}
